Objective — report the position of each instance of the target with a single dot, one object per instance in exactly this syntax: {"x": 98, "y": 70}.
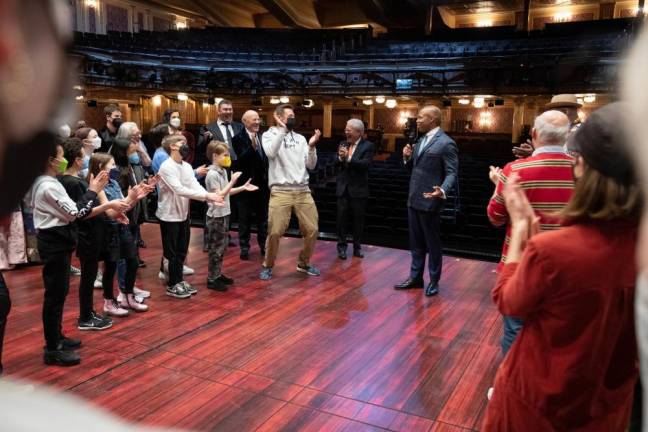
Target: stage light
{"x": 391, "y": 103}
{"x": 308, "y": 103}
{"x": 380, "y": 99}
{"x": 478, "y": 102}
{"x": 464, "y": 101}
{"x": 367, "y": 101}
{"x": 590, "y": 98}
{"x": 284, "y": 99}
{"x": 183, "y": 97}
{"x": 274, "y": 100}
{"x": 157, "y": 100}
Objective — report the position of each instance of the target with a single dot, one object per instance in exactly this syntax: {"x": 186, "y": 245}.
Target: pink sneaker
{"x": 111, "y": 307}
{"x": 130, "y": 303}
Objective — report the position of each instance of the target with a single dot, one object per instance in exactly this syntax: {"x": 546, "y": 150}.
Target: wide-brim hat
{"x": 563, "y": 101}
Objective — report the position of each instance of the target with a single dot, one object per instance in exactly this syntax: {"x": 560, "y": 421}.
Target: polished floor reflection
{"x": 340, "y": 352}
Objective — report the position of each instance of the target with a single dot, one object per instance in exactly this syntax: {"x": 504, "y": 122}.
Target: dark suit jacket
{"x": 437, "y": 166}
{"x": 251, "y": 164}
{"x": 353, "y": 175}
{"x": 201, "y": 156}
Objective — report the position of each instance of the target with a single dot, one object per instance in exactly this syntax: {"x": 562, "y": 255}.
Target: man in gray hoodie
{"x": 290, "y": 156}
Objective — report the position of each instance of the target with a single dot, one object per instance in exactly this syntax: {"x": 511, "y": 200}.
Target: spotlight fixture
{"x": 380, "y": 99}
{"x": 590, "y": 98}
{"x": 391, "y": 103}
{"x": 367, "y": 101}
{"x": 308, "y": 103}
{"x": 274, "y": 100}
{"x": 183, "y": 97}
{"x": 464, "y": 101}
{"x": 284, "y": 99}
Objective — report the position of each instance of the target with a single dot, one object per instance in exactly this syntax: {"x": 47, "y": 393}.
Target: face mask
{"x": 184, "y": 151}
{"x": 290, "y": 123}
{"x": 62, "y": 165}
{"x": 86, "y": 162}
{"x": 114, "y": 174}
{"x": 134, "y": 158}
{"x": 65, "y": 131}
{"x": 226, "y": 162}
{"x": 175, "y": 122}
{"x": 117, "y": 122}
{"x": 96, "y": 143}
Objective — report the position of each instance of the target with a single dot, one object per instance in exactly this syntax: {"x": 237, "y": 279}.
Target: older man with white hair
{"x": 354, "y": 157}
{"x": 547, "y": 180}
{"x": 252, "y": 162}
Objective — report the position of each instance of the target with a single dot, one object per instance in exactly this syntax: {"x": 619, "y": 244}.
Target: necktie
{"x": 229, "y": 139}
{"x": 351, "y": 150}
{"x": 423, "y": 145}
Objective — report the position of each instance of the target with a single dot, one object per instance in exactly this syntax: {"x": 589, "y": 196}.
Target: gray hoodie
{"x": 52, "y": 205}
{"x": 289, "y": 156}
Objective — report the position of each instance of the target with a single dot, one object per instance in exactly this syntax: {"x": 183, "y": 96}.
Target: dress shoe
{"x": 358, "y": 253}
{"x": 432, "y": 289}
{"x": 61, "y": 357}
{"x": 409, "y": 284}
{"x": 216, "y": 285}
{"x": 70, "y": 343}
{"x": 342, "y": 254}
{"x": 245, "y": 255}
{"x": 226, "y": 280}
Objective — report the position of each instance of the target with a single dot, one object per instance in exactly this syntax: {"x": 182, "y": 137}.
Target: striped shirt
{"x": 548, "y": 182}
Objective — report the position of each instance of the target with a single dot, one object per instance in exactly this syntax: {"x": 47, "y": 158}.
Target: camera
{"x": 410, "y": 132}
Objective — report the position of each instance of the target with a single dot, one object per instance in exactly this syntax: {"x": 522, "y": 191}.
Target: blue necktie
{"x": 423, "y": 145}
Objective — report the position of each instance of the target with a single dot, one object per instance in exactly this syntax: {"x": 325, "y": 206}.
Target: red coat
{"x": 573, "y": 367}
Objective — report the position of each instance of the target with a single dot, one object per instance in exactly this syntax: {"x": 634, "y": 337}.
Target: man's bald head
{"x": 550, "y": 128}
{"x": 428, "y": 118}
{"x": 251, "y": 121}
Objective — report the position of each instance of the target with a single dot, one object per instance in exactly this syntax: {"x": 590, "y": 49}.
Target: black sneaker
{"x": 225, "y": 279}
{"x": 216, "y": 285}
{"x": 95, "y": 323}
{"x": 70, "y": 344}
{"x": 61, "y": 357}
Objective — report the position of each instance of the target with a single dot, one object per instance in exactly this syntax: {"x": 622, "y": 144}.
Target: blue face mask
{"x": 86, "y": 162}
{"x": 114, "y": 174}
{"x": 134, "y": 158}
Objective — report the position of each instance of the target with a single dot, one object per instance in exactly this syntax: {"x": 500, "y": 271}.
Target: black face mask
{"x": 184, "y": 151}
{"x": 116, "y": 122}
{"x": 290, "y": 123}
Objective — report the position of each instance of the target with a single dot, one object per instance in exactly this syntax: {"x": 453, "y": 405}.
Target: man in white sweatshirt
{"x": 289, "y": 157}
{"x": 177, "y": 186}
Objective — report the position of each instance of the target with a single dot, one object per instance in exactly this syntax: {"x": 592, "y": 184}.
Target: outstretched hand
{"x": 438, "y": 193}
{"x": 250, "y": 187}
{"x": 279, "y": 122}
{"x": 316, "y": 136}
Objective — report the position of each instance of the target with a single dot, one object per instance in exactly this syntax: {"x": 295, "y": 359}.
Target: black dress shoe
{"x": 245, "y": 255}
{"x": 225, "y": 279}
{"x": 409, "y": 284}
{"x": 216, "y": 285}
{"x": 358, "y": 253}
{"x": 432, "y": 289}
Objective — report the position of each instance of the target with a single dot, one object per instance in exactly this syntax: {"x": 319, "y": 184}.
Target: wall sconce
{"x": 367, "y": 101}
{"x": 91, "y": 3}
{"x": 284, "y": 99}
{"x": 156, "y": 100}
{"x": 464, "y": 101}
{"x": 183, "y": 97}
{"x": 404, "y": 115}
{"x": 478, "y": 102}
{"x": 391, "y": 103}
{"x": 485, "y": 119}
{"x": 590, "y": 98}
{"x": 181, "y": 25}
{"x": 380, "y": 99}
{"x": 274, "y": 100}
{"x": 562, "y": 17}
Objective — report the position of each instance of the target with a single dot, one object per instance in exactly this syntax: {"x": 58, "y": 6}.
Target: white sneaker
{"x": 187, "y": 270}
{"x": 75, "y": 271}
{"x": 98, "y": 282}
{"x": 122, "y": 298}
{"x": 141, "y": 293}
{"x": 111, "y": 307}
{"x": 162, "y": 275}
{"x": 489, "y": 393}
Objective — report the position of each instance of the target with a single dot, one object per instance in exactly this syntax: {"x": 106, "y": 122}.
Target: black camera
{"x": 410, "y": 132}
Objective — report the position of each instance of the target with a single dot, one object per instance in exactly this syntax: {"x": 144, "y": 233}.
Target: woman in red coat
{"x": 574, "y": 365}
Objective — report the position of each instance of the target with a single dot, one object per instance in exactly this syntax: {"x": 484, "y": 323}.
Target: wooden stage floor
{"x": 340, "y": 352}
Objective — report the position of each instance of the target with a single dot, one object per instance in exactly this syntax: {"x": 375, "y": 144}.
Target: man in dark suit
{"x": 252, "y": 162}
{"x": 354, "y": 156}
{"x": 433, "y": 162}
{"x": 224, "y": 129}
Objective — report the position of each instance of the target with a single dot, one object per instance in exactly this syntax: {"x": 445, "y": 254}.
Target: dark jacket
{"x": 107, "y": 139}
{"x": 353, "y": 175}
{"x": 252, "y": 164}
{"x": 437, "y": 166}
{"x": 201, "y": 150}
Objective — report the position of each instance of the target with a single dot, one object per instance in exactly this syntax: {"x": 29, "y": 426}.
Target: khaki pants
{"x": 282, "y": 204}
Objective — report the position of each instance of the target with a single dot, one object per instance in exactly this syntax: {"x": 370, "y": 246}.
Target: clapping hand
{"x": 99, "y": 182}
{"x": 249, "y": 186}
{"x": 120, "y": 205}
{"x": 122, "y": 219}
{"x": 438, "y": 193}
{"x": 236, "y": 175}
{"x": 316, "y": 136}
{"x": 343, "y": 151}
{"x": 523, "y": 218}
{"x": 523, "y": 151}
{"x": 494, "y": 174}
{"x": 407, "y": 151}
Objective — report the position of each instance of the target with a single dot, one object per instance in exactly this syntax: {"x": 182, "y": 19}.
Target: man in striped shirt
{"x": 547, "y": 180}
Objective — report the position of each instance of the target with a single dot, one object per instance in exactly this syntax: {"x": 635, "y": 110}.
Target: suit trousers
{"x": 282, "y": 204}
{"x": 425, "y": 238}
{"x": 252, "y": 207}
{"x": 356, "y": 207}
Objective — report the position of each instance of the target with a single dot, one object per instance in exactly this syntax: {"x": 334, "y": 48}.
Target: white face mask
{"x": 175, "y": 122}
{"x": 96, "y": 143}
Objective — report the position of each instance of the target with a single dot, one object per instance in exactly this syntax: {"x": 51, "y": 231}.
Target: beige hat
{"x": 563, "y": 101}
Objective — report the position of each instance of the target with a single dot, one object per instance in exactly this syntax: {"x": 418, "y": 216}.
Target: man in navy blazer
{"x": 252, "y": 162}
{"x": 354, "y": 157}
{"x": 433, "y": 163}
